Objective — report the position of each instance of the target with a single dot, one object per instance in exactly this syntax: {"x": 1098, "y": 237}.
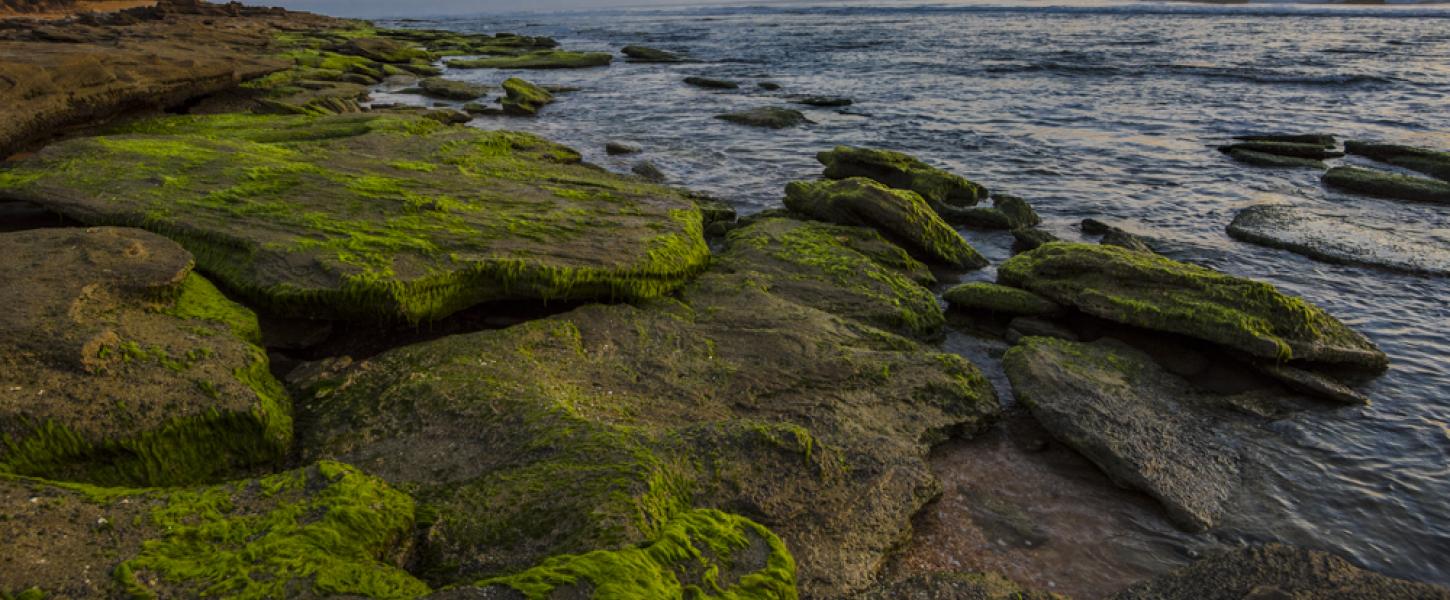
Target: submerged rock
{"x": 524, "y": 98}
{"x": 1262, "y": 159}
{"x": 324, "y": 531}
{"x": 452, "y": 89}
{"x": 768, "y": 86}
{"x": 1307, "y": 151}
{"x": 822, "y": 101}
{"x": 122, "y": 367}
{"x": 1154, "y": 292}
{"x": 953, "y": 586}
{"x": 1278, "y": 571}
{"x": 980, "y": 295}
{"x": 1341, "y": 238}
{"x": 615, "y": 148}
{"x": 1430, "y": 162}
{"x": 1145, "y": 428}
{"x": 374, "y": 216}
{"x": 902, "y": 171}
{"x": 900, "y": 214}
{"x": 1317, "y": 139}
{"x": 648, "y": 54}
{"x": 1384, "y": 184}
{"x": 543, "y": 59}
{"x": 713, "y": 84}
{"x": 769, "y": 116}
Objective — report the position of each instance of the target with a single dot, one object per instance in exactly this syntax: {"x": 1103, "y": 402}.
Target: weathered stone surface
{"x": 324, "y": 531}
{"x": 900, "y": 214}
{"x": 902, "y": 171}
{"x": 1383, "y": 184}
{"x": 711, "y": 83}
{"x": 1290, "y": 149}
{"x": 980, "y": 295}
{"x": 1430, "y": 162}
{"x": 770, "y": 117}
{"x": 953, "y": 586}
{"x": 120, "y": 366}
{"x": 638, "y": 53}
{"x": 1278, "y": 571}
{"x": 453, "y": 89}
{"x": 1150, "y": 291}
{"x": 372, "y": 216}
{"x": 1262, "y": 159}
{"x": 1341, "y": 238}
{"x": 593, "y": 429}
{"x": 524, "y": 98}
{"x": 1145, "y": 428}
{"x": 545, "y": 59}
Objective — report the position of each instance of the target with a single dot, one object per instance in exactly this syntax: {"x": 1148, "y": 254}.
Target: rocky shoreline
{"x": 276, "y": 341}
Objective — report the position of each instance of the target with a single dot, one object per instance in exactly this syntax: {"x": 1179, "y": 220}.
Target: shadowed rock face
{"x": 374, "y": 217}
{"x": 756, "y": 392}
{"x": 1341, "y": 238}
{"x": 120, "y": 366}
{"x": 1279, "y": 572}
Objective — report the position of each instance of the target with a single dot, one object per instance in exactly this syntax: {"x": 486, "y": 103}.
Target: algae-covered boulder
{"x": 1343, "y": 239}
{"x": 638, "y": 53}
{"x": 1262, "y": 159}
{"x": 374, "y": 216}
{"x": 769, "y": 117}
{"x": 322, "y": 531}
{"x": 902, "y": 171}
{"x": 543, "y": 59}
{"x": 595, "y": 429}
{"x": 1154, "y": 292}
{"x": 1278, "y": 571}
{"x": 523, "y": 97}
{"x": 1145, "y": 428}
{"x": 1287, "y": 149}
{"x": 121, "y": 366}
{"x": 980, "y": 295}
{"x": 452, "y": 89}
{"x": 1430, "y": 162}
{"x": 1383, "y": 184}
{"x": 900, "y": 214}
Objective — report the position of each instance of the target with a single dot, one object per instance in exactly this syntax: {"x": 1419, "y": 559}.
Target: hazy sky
{"x": 394, "y": 8}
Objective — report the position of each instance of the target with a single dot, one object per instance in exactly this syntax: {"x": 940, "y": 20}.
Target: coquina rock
{"x": 901, "y": 214}
{"x": 385, "y": 217}
{"x": 1278, "y": 571}
{"x": 904, "y": 172}
{"x": 120, "y": 366}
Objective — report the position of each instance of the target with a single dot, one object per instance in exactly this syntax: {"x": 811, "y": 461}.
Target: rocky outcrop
{"x": 1383, "y": 184}
{"x": 373, "y": 216}
{"x": 524, "y": 98}
{"x": 902, "y": 171}
{"x": 1430, "y": 162}
{"x": 122, "y": 367}
{"x": 1278, "y": 571}
{"x": 769, "y": 117}
{"x": 1341, "y": 238}
{"x": 544, "y": 59}
{"x": 900, "y": 214}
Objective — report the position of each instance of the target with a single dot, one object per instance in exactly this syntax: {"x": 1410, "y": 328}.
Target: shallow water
{"x": 1109, "y": 111}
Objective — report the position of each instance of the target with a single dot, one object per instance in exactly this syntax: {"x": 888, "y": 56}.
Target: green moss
{"x": 902, "y": 171}
{"x": 34, "y": 593}
{"x": 545, "y": 59}
{"x": 523, "y": 97}
{"x": 998, "y": 298}
{"x": 900, "y": 214}
{"x": 199, "y": 299}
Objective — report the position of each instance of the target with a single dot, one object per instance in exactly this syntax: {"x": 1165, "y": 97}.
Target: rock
{"x": 524, "y": 98}
{"x": 374, "y": 217}
{"x": 560, "y": 89}
{"x": 386, "y": 50}
{"x": 902, "y": 171}
{"x": 648, "y": 54}
{"x": 979, "y": 217}
{"x": 322, "y": 531}
{"x": 447, "y": 116}
{"x": 1274, "y": 571}
{"x": 614, "y": 148}
{"x": 980, "y": 295}
{"x": 1123, "y": 239}
{"x": 1002, "y": 521}
{"x": 122, "y": 367}
{"x": 900, "y": 214}
{"x": 1311, "y": 383}
{"x": 452, "y": 89}
{"x": 1016, "y": 209}
{"x": 545, "y": 59}
{"x": 1092, "y": 226}
{"x": 769, "y": 86}
{"x": 1262, "y": 159}
{"x": 1029, "y": 238}
{"x": 713, "y": 84}
{"x": 594, "y": 429}
{"x": 822, "y": 101}
{"x": 1383, "y": 184}
{"x": 1340, "y": 238}
{"x": 1158, "y": 293}
{"x": 1021, "y": 327}
{"x": 313, "y": 98}
{"x": 1429, "y": 162}
{"x": 769, "y": 116}
{"x": 1145, "y": 428}
{"x": 1309, "y": 151}
{"x": 648, "y": 171}
{"x": 1317, "y": 139}
{"x": 953, "y": 586}
{"x": 481, "y": 109}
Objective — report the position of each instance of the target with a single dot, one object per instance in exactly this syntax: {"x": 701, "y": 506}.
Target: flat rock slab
{"x": 323, "y": 531}
{"x": 118, "y": 365}
{"x": 1384, "y": 184}
{"x": 375, "y": 217}
{"x": 1342, "y": 238}
{"x": 1278, "y": 571}
{"x": 1145, "y": 428}
{"x": 1146, "y": 290}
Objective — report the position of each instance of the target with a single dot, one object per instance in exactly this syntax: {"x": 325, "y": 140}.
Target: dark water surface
{"x": 1111, "y": 112}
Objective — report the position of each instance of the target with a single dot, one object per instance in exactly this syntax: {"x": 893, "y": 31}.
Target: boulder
{"x": 648, "y": 171}
{"x": 770, "y": 117}
{"x": 122, "y": 367}
{"x": 979, "y": 217}
{"x": 1021, "y": 327}
{"x": 1144, "y": 427}
{"x": 1278, "y": 571}
{"x": 523, "y": 98}
{"x": 452, "y": 89}
{"x": 1262, "y": 159}
{"x": 1340, "y": 238}
{"x": 1154, "y": 292}
{"x": 647, "y": 54}
{"x": 1430, "y": 162}
{"x": 900, "y": 214}
{"x": 1016, "y": 209}
{"x": 597, "y": 428}
{"x": 374, "y": 217}
{"x": 1029, "y": 238}
{"x": 543, "y": 59}
{"x": 980, "y": 295}
{"x": 1290, "y": 149}
{"x": 904, "y": 172}
{"x": 712, "y": 84}
{"x": 1317, "y": 139}
{"x": 1383, "y": 184}
{"x": 615, "y": 148}
{"x": 953, "y": 586}
{"x": 323, "y": 531}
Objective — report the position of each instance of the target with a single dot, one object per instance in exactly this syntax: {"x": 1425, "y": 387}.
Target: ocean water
{"x": 1109, "y": 111}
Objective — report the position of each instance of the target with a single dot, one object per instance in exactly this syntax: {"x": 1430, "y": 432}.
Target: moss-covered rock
{"x": 1430, "y": 162}
{"x": 1322, "y": 140}
{"x": 1288, "y": 149}
{"x": 711, "y": 83}
{"x": 597, "y": 428}
{"x": 386, "y": 50}
{"x": 452, "y": 89}
{"x": 902, "y": 171}
{"x": 1383, "y": 184}
{"x": 769, "y": 117}
{"x": 1278, "y": 571}
{"x": 980, "y": 295}
{"x": 546, "y": 59}
{"x": 1155, "y": 292}
{"x": 638, "y": 53}
{"x": 901, "y": 214}
{"x": 1017, "y": 209}
{"x": 120, "y": 366}
{"x": 1262, "y": 159}
{"x": 1030, "y": 238}
{"x": 374, "y": 216}
{"x": 322, "y": 531}
{"x": 524, "y": 98}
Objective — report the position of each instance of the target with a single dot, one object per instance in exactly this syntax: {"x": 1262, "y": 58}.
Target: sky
{"x": 394, "y": 8}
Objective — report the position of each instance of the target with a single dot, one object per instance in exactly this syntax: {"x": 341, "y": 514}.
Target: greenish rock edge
{"x": 321, "y": 217}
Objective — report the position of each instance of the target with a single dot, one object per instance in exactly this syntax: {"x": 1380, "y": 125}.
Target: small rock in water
{"x": 1261, "y": 159}
{"x": 1429, "y": 162}
{"x": 822, "y": 101}
{"x": 647, "y": 54}
{"x": 1123, "y": 239}
{"x": 524, "y": 98}
{"x": 713, "y": 84}
{"x": 617, "y": 148}
{"x": 770, "y": 117}
{"x": 1016, "y": 209}
{"x": 902, "y": 171}
{"x": 1317, "y": 139}
{"x": 1029, "y": 238}
{"x": 980, "y": 295}
{"x": 479, "y": 108}
{"x": 1313, "y": 151}
{"x": 1383, "y": 184}
{"x": 769, "y": 86}
{"x": 648, "y": 171}
{"x": 901, "y": 214}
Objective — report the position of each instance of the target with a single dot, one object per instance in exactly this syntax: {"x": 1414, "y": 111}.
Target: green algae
{"x": 981, "y": 295}
{"x": 524, "y": 98}
{"x": 902, "y": 171}
{"x": 901, "y": 214}
{"x": 199, "y": 299}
